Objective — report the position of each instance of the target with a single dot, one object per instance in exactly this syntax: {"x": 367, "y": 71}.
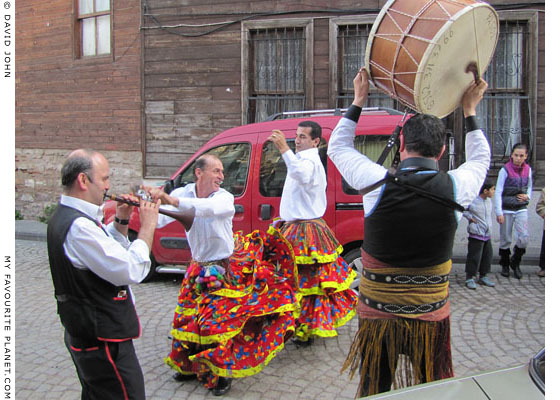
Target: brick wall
{"x": 64, "y": 102}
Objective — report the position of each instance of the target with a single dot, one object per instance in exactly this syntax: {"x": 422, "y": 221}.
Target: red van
{"x": 255, "y": 172}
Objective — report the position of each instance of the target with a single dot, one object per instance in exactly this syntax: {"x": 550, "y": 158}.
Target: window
{"x": 235, "y": 158}
{"x": 273, "y": 170}
{"x": 94, "y": 27}
{"x": 351, "y": 37}
{"x": 371, "y": 146}
{"x": 506, "y": 110}
{"x": 277, "y": 68}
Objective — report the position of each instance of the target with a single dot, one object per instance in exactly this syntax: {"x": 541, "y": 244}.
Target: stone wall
{"x": 37, "y": 176}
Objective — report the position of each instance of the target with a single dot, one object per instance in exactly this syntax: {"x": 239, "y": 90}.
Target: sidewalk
{"x": 35, "y": 230}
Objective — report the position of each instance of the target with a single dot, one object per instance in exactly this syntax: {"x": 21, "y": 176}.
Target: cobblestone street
{"x": 491, "y": 328}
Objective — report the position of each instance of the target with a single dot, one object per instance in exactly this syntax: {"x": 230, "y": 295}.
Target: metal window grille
{"x": 352, "y": 42}
{"x": 277, "y": 72}
{"x": 505, "y": 111}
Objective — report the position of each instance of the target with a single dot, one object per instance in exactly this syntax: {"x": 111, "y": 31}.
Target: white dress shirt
{"x": 211, "y": 235}
{"x": 361, "y": 172}
{"x": 303, "y": 196}
{"x": 112, "y": 257}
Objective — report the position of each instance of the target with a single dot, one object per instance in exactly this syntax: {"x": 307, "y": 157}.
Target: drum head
{"x": 471, "y": 35}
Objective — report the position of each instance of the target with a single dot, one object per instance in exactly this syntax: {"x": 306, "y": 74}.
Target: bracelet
{"x": 121, "y": 221}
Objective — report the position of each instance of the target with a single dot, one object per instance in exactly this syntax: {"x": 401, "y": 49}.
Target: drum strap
{"x": 421, "y": 192}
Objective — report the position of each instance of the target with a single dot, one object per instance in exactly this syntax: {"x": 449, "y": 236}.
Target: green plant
{"x": 19, "y": 216}
{"x": 47, "y": 213}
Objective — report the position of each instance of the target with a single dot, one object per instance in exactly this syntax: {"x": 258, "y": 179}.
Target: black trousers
{"x": 479, "y": 257}
{"x": 107, "y": 370}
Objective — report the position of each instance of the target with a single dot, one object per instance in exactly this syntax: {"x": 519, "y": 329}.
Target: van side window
{"x": 273, "y": 171}
{"x": 235, "y": 158}
{"x": 371, "y": 146}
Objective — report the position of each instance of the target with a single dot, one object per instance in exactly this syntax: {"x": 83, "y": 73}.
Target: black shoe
{"x": 517, "y": 272}
{"x": 224, "y": 385}
{"x": 303, "y": 343}
{"x": 505, "y": 271}
{"x": 179, "y": 377}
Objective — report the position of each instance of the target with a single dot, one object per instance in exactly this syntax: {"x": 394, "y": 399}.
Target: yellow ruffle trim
{"x": 223, "y": 337}
{"x": 319, "y": 290}
{"x": 304, "y": 333}
{"x": 244, "y": 372}
{"x": 316, "y": 258}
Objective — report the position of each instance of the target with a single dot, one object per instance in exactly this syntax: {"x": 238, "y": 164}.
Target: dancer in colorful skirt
{"x": 409, "y": 227}
{"x": 326, "y": 300}
{"x": 236, "y": 302}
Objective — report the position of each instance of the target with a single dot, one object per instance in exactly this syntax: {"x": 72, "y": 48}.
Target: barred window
{"x": 276, "y": 72}
{"x": 505, "y": 110}
{"x": 94, "y": 27}
{"x": 351, "y": 43}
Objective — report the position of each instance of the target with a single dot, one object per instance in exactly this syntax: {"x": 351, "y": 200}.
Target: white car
{"x": 524, "y": 382}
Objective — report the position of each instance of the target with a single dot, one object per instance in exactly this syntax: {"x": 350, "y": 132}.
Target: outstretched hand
{"x": 361, "y": 88}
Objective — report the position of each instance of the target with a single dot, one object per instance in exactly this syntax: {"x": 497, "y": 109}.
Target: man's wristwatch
{"x": 121, "y": 221}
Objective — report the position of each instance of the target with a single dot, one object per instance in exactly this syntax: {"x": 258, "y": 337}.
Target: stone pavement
{"x": 491, "y": 328}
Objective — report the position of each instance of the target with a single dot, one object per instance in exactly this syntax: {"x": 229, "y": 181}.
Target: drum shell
{"x": 406, "y": 36}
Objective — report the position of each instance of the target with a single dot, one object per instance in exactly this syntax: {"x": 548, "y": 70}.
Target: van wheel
{"x": 132, "y": 236}
{"x": 354, "y": 260}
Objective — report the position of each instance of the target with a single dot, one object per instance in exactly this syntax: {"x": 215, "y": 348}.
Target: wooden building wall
{"x": 192, "y": 81}
{"x": 64, "y": 102}
{"x": 192, "y": 85}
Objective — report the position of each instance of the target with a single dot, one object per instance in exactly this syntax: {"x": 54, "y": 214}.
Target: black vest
{"x": 406, "y": 229}
{"x": 89, "y": 307}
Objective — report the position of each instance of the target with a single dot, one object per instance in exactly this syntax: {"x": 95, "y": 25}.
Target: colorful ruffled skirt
{"x": 234, "y": 328}
{"x": 326, "y": 300}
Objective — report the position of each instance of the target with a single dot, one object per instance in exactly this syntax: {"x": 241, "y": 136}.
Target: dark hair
{"x": 315, "y": 128}
{"x": 487, "y": 185}
{"x": 424, "y": 134}
{"x": 520, "y": 146}
{"x": 74, "y": 166}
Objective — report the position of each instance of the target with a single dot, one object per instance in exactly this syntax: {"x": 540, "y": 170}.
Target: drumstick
{"x": 473, "y": 67}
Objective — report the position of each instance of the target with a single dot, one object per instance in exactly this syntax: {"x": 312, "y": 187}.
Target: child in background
{"x": 479, "y": 256}
{"x": 513, "y": 192}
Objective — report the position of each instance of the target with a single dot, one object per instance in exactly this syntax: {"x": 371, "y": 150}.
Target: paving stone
{"x": 491, "y": 328}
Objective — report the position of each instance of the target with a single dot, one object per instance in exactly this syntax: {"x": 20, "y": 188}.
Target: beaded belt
{"x": 404, "y": 278}
{"x": 403, "y": 308}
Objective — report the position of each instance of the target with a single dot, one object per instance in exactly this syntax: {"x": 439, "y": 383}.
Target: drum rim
{"x": 376, "y": 23}
{"x": 437, "y": 37}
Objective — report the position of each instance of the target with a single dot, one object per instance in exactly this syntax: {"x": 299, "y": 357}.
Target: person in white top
{"x": 210, "y": 237}
{"x": 92, "y": 266}
{"x": 410, "y": 219}
{"x": 219, "y": 330}
{"x": 324, "y": 277}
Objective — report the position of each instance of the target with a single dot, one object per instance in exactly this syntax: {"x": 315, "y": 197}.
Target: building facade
{"x": 163, "y": 77}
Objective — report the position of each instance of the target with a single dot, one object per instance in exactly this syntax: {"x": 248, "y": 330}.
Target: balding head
{"x": 77, "y": 162}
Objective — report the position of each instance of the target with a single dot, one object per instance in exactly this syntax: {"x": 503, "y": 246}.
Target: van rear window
{"x": 371, "y": 146}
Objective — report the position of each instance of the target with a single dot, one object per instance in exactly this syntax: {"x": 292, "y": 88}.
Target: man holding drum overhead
{"x": 91, "y": 267}
{"x": 409, "y": 228}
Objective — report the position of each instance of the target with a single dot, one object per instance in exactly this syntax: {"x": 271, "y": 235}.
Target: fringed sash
{"x": 404, "y": 316}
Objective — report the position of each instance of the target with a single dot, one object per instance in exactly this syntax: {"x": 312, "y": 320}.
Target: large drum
{"x": 418, "y": 50}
